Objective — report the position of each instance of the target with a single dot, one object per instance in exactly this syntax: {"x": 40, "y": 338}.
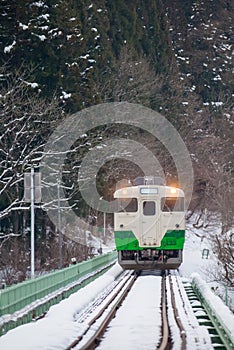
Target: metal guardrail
{"x": 213, "y": 311}
{"x": 16, "y": 297}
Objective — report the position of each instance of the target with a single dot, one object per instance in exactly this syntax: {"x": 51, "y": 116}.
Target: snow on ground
{"x": 58, "y": 327}
{"x": 218, "y": 307}
{"x": 56, "y": 330}
{"x": 196, "y": 241}
{"x": 126, "y": 329}
{"x": 192, "y": 257}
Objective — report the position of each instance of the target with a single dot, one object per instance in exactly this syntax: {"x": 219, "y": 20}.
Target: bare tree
{"x": 214, "y": 194}
{"x": 223, "y": 249}
{"x": 135, "y": 79}
{"x": 132, "y": 78}
{"x": 26, "y": 121}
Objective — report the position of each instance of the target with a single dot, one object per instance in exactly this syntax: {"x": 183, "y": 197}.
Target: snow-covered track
{"x": 186, "y": 333}
{"x": 106, "y": 307}
{"x": 177, "y": 316}
{"x": 180, "y": 329}
{"x": 165, "y": 326}
{"x": 176, "y": 326}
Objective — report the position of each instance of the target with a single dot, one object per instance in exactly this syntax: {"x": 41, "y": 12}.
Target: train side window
{"x": 172, "y": 204}
{"x": 149, "y": 208}
{"x": 128, "y": 205}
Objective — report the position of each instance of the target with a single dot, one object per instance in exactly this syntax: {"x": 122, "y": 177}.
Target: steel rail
{"x": 177, "y": 316}
{"x": 113, "y": 304}
{"x": 165, "y": 327}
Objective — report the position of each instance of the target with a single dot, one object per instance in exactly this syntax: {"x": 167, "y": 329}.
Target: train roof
{"x": 149, "y": 180}
{"x": 148, "y": 191}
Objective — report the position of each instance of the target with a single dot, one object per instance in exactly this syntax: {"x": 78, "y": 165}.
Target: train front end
{"x": 149, "y": 226}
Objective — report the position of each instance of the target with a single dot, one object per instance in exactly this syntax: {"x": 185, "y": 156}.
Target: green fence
{"x": 16, "y": 297}
{"x": 214, "y": 307}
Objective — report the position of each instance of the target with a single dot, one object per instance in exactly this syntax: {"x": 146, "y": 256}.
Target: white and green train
{"x": 149, "y": 226}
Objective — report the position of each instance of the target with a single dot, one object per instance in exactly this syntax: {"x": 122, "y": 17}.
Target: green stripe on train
{"x": 173, "y": 240}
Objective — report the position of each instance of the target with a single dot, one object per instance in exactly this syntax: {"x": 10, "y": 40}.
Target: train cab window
{"x": 149, "y": 208}
{"x": 172, "y": 204}
{"x": 128, "y": 205}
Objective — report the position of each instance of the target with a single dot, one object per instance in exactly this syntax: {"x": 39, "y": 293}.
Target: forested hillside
{"x": 75, "y": 45}
{"x": 59, "y": 57}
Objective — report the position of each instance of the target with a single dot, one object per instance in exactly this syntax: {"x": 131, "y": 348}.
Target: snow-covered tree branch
{"x": 26, "y": 121}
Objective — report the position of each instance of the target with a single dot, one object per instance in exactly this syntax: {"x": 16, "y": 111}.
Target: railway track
{"x": 166, "y": 340}
{"x": 173, "y": 326}
{"x": 186, "y": 330}
{"x": 165, "y": 326}
{"x": 104, "y": 313}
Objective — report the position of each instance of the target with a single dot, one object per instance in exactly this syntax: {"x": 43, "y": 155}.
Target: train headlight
{"x": 173, "y": 190}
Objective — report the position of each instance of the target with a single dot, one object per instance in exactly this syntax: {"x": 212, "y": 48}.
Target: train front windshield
{"x": 149, "y": 208}
{"x": 129, "y": 205}
{"x": 172, "y": 204}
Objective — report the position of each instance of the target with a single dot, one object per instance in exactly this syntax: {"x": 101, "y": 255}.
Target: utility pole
{"x": 104, "y": 224}
{"x": 103, "y": 205}
{"x": 32, "y": 195}
{"x": 104, "y": 220}
{"x": 59, "y": 226}
{"x": 32, "y": 225}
